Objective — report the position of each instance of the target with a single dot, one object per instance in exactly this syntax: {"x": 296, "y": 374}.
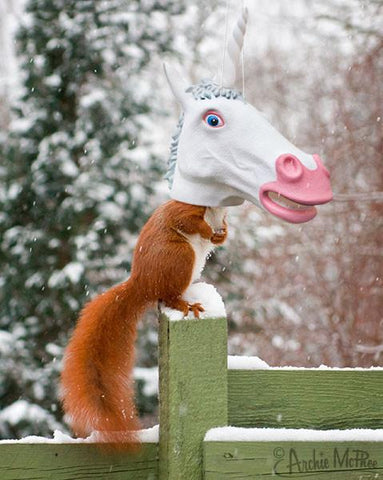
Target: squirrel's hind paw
{"x": 184, "y": 306}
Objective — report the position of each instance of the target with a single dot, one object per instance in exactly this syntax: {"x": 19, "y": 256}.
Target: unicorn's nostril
{"x": 289, "y": 167}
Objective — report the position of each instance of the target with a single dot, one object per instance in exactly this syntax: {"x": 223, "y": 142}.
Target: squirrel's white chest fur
{"x": 201, "y": 246}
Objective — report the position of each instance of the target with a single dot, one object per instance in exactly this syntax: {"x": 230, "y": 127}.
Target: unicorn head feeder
{"x": 225, "y": 151}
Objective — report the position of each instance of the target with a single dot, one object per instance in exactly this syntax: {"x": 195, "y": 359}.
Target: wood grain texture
{"x": 321, "y": 399}
{"x": 76, "y": 462}
{"x": 293, "y": 460}
{"x": 193, "y": 392}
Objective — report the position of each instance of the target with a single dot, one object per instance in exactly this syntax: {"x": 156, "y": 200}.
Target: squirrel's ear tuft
{"x": 177, "y": 84}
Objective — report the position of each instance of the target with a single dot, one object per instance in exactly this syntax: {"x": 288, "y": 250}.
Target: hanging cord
{"x": 243, "y": 69}
{"x": 358, "y": 197}
{"x": 225, "y": 41}
{"x": 243, "y": 58}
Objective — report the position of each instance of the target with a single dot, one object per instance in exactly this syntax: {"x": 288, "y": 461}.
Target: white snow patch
{"x": 269, "y": 233}
{"x": 22, "y": 410}
{"x": 53, "y": 349}
{"x": 69, "y": 168}
{"x": 7, "y": 343}
{"x": 204, "y": 294}
{"x": 236, "y": 434}
{"x": 19, "y": 410}
{"x": 150, "y": 378}
{"x": 73, "y": 271}
{"x": 288, "y": 313}
{"x": 242, "y": 362}
{"x": 277, "y": 341}
{"x": 58, "y": 437}
{"x": 53, "y": 80}
{"x": 20, "y": 125}
{"x": 148, "y": 435}
{"x": 14, "y": 190}
{"x": 112, "y": 211}
{"x": 35, "y": 280}
{"x": 95, "y": 96}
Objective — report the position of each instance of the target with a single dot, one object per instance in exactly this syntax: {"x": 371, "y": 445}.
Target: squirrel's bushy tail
{"x": 96, "y": 382}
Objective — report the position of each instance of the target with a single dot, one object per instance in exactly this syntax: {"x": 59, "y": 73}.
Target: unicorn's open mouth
{"x": 287, "y": 202}
{"x": 296, "y": 190}
{"x": 286, "y": 208}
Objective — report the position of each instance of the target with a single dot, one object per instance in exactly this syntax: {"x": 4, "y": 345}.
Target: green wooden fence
{"x": 199, "y": 393}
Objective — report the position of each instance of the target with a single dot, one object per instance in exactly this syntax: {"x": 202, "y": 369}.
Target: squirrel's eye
{"x": 213, "y": 119}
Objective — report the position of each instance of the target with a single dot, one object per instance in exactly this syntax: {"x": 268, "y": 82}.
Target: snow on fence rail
{"x": 310, "y": 423}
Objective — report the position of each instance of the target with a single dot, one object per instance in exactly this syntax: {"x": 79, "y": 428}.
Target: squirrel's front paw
{"x": 219, "y": 236}
{"x": 196, "y": 308}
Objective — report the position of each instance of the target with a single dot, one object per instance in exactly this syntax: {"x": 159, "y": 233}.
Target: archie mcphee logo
{"x": 292, "y": 461}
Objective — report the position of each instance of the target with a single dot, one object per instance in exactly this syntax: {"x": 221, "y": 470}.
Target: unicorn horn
{"x": 232, "y": 71}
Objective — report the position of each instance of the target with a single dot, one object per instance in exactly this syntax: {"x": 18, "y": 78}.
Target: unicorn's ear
{"x": 177, "y": 84}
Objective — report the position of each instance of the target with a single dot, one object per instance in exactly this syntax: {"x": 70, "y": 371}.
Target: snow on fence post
{"x": 193, "y": 390}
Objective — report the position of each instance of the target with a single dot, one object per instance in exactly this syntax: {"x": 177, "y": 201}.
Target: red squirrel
{"x": 96, "y": 381}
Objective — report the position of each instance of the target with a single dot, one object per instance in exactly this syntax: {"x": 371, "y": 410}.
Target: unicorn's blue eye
{"x": 213, "y": 119}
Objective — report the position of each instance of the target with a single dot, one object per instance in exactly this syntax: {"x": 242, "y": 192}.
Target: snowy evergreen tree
{"x": 76, "y": 177}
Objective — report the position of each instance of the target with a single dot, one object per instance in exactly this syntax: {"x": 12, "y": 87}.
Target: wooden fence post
{"x": 193, "y": 392}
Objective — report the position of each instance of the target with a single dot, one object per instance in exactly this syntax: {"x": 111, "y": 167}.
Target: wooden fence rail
{"x": 199, "y": 394}
{"x": 319, "y": 399}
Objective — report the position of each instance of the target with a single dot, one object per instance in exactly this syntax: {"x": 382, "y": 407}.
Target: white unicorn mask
{"x": 225, "y": 152}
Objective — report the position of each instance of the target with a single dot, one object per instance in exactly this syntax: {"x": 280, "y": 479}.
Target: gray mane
{"x": 206, "y": 89}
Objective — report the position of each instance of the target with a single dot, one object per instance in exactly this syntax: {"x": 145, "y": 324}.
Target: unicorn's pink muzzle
{"x": 297, "y": 190}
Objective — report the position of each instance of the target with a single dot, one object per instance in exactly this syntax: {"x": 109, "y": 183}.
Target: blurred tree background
{"x": 86, "y": 122}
